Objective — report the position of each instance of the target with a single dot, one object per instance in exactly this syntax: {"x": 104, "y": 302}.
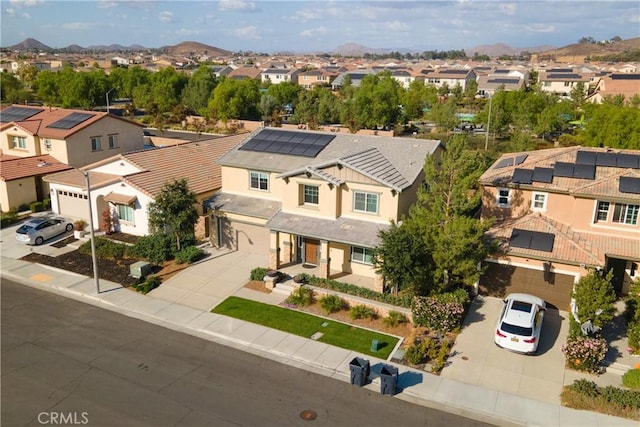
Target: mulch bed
{"x": 123, "y": 237}
{"x": 64, "y": 242}
{"x": 257, "y": 285}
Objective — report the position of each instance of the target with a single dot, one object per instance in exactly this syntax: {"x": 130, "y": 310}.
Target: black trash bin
{"x": 360, "y": 369}
{"x": 388, "y": 379}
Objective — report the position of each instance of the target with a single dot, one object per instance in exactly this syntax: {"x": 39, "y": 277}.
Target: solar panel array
{"x": 535, "y": 240}
{"x": 18, "y": 114}
{"x": 70, "y": 121}
{"x": 629, "y": 184}
{"x": 522, "y": 176}
{"x": 463, "y": 72}
{"x": 564, "y": 76}
{"x": 273, "y": 141}
{"x": 625, "y": 76}
{"x": 574, "y": 170}
{"x": 509, "y": 161}
{"x": 543, "y": 175}
{"x": 504, "y": 81}
{"x": 620, "y": 160}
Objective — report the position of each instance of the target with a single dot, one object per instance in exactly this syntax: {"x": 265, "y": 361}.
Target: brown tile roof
{"x": 571, "y": 247}
{"x": 38, "y": 123}
{"x": 75, "y": 178}
{"x": 245, "y": 72}
{"x": 605, "y": 184}
{"x": 21, "y": 167}
{"x": 195, "y": 161}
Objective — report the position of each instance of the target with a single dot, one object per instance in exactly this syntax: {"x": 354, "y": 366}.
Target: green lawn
{"x": 305, "y": 325}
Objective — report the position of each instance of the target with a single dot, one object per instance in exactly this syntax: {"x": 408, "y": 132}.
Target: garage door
{"x": 245, "y": 237}
{"x": 500, "y": 280}
{"x": 73, "y": 205}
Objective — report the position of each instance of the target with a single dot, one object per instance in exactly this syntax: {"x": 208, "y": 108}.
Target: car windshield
{"x": 516, "y": 330}
{"x": 24, "y": 229}
{"x": 521, "y": 306}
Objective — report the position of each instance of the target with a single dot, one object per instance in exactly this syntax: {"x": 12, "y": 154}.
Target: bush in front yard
{"x": 301, "y": 297}
{"x": 631, "y": 379}
{"x": 155, "y": 248}
{"x": 258, "y": 273}
{"x": 144, "y": 286}
{"x": 442, "y": 312}
{"x": 585, "y": 353}
{"x": 333, "y": 303}
{"x": 394, "y": 318}
{"x": 362, "y": 311}
{"x": 105, "y": 248}
{"x": 189, "y": 255}
{"x": 36, "y": 207}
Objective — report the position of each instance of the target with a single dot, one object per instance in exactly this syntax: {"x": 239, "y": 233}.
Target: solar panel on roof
{"x": 606, "y": 159}
{"x": 625, "y": 160}
{"x": 561, "y": 70}
{"x": 586, "y": 157}
{"x": 584, "y": 171}
{"x": 453, "y": 72}
{"x": 504, "y": 163}
{"x": 503, "y": 81}
{"x": 563, "y": 76}
{"x": 629, "y": 184}
{"x": 563, "y": 169}
{"x": 522, "y": 176}
{"x": 625, "y": 76}
{"x": 532, "y": 240}
{"x": 304, "y": 144}
{"x": 542, "y": 175}
{"x": 70, "y": 121}
{"x": 18, "y": 114}
{"x": 520, "y": 158}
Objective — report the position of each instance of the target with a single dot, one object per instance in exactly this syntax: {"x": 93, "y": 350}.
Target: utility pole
{"x": 93, "y": 235}
{"x": 486, "y": 140}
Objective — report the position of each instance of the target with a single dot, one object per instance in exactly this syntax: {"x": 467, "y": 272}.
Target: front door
{"x": 618, "y": 266}
{"x": 311, "y": 251}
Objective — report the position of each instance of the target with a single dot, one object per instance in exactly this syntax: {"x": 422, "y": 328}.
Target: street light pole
{"x": 93, "y": 235}
{"x": 486, "y": 141}
{"x": 107, "y": 96}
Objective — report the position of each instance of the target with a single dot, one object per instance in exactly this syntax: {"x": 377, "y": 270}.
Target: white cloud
{"x": 540, "y": 28}
{"x": 306, "y": 15}
{"x": 25, "y": 15}
{"x": 314, "y": 32}
{"x": 9, "y": 11}
{"x": 247, "y": 33}
{"x": 106, "y": 4}
{"x": 166, "y": 16}
{"x": 188, "y": 32}
{"x": 508, "y": 8}
{"x": 26, "y": 3}
{"x": 391, "y": 26}
{"x": 236, "y": 5}
{"x": 79, "y": 26}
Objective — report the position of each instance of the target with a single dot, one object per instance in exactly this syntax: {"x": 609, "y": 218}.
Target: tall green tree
{"x": 235, "y": 99}
{"x": 595, "y": 298}
{"x": 13, "y": 90}
{"x": 199, "y": 89}
{"x": 174, "y": 211}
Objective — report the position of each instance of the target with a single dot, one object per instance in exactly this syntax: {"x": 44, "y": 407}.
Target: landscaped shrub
{"x": 301, "y": 297}
{"x": 105, "y": 248}
{"x": 585, "y": 353}
{"x": 258, "y": 273}
{"x": 585, "y": 387}
{"x": 155, "y": 248}
{"x": 189, "y": 255}
{"x": 332, "y": 303}
{"x": 633, "y": 334}
{"x": 362, "y": 311}
{"x": 631, "y": 379}
{"x": 358, "y": 291}
{"x": 144, "y": 286}
{"x": 23, "y": 207}
{"x": 585, "y": 394}
{"x": 621, "y": 397}
{"x": 8, "y": 218}
{"x": 80, "y": 225}
{"x": 36, "y": 207}
{"x": 46, "y": 204}
{"x": 442, "y": 312}
{"x": 394, "y": 318}
{"x": 414, "y": 355}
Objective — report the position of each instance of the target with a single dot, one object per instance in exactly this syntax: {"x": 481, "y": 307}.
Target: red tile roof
{"x": 22, "y": 167}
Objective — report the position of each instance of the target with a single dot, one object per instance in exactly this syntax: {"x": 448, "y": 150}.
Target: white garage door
{"x": 73, "y": 205}
{"x": 245, "y": 237}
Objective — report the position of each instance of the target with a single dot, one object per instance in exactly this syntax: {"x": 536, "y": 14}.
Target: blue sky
{"x": 312, "y": 26}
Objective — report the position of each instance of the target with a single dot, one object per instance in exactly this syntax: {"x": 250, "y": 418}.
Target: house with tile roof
{"x": 560, "y": 212}
{"x": 21, "y": 179}
{"x": 125, "y": 184}
{"x": 617, "y": 84}
{"x": 451, "y": 77}
{"x": 562, "y": 81}
{"x": 317, "y": 198}
{"x": 74, "y": 137}
{"x": 279, "y": 75}
{"x": 317, "y": 77}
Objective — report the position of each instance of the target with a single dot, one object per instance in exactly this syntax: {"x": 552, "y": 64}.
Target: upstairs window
{"x": 626, "y": 214}
{"x": 504, "y": 197}
{"x": 259, "y": 181}
{"x": 19, "y": 142}
{"x": 96, "y": 143}
{"x": 602, "y": 212}
{"x": 365, "y": 202}
{"x": 310, "y": 194}
{"x": 539, "y": 201}
{"x": 113, "y": 141}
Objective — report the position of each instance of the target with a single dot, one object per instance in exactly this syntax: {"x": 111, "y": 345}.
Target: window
{"x": 310, "y": 194}
{"x": 96, "y": 143}
{"x": 363, "y": 255}
{"x": 365, "y": 202}
{"x": 539, "y": 201}
{"x": 259, "y": 181}
{"x": 19, "y": 142}
{"x": 113, "y": 141}
{"x": 125, "y": 213}
{"x": 626, "y": 214}
{"x": 603, "y": 211}
{"x": 504, "y": 197}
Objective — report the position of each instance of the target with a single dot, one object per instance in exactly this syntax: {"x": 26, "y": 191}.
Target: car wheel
{"x": 39, "y": 240}
{"x": 69, "y": 227}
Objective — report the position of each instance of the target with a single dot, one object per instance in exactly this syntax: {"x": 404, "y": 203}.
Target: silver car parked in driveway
{"x": 36, "y": 231}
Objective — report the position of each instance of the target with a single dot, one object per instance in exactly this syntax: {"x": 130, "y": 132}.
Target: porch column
{"x": 325, "y": 262}
{"x": 287, "y": 250}
{"x": 378, "y": 283}
{"x": 274, "y": 250}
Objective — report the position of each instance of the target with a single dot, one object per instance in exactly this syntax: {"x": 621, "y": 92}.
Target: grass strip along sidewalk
{"x": 305, "y": 325}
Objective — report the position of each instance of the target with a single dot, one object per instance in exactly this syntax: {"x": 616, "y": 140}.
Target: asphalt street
{"x": 64, "y": 360}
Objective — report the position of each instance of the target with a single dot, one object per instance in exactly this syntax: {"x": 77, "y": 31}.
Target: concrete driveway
{"x": 16, "y": 250}
{"x": 477, "y": 360}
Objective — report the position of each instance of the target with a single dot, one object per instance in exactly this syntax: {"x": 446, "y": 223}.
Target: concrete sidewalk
{"x": 496, "y": 407}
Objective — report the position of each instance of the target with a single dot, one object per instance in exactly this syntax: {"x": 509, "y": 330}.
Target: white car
{"x": 520, "y": 323}
{"x": 36, "y": 231}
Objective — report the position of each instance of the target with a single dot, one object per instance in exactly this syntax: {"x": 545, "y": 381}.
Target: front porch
{"x": 293, "y": 269}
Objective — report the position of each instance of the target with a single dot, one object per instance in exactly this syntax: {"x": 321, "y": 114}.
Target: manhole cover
{"x": 308, "y": 415}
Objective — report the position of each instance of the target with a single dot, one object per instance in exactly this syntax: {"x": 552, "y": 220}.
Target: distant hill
{"x": 190, "y": 48}
{"x": 579, "y": 51}
{"x": 354, "y": 49}
{"x": 498, "y": 49}
{"x": 30, "y": 44}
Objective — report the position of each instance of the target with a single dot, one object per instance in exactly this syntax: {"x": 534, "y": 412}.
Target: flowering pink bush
{"x": 437, "y": 314}
{"x": 585, "y": 353}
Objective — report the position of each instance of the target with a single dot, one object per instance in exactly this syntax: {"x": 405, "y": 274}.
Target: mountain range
{"x": 191, "y": 48}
